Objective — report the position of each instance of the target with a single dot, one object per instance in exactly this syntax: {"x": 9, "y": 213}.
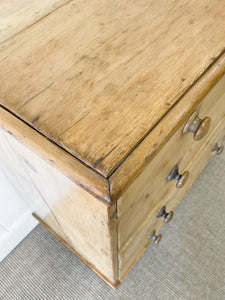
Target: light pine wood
{"x": 82, "y": 221}
{"x": 17, "y": 15}
{"x": 11, "y": 166}
{"x": 139, "y": 241}
{"x": 93, "y": 100}
{"x": 110, "y": 190}
{"x": 113, "y": 69}
{"x": 71, "y": 167}
{"x": 145, "y": 194}
{"x": 147, "y": 150}
{"x": 76, "y": 253}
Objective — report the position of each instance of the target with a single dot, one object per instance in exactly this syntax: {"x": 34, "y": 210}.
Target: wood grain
{"x": 147, "y": 150}
{"x": 85, "y": 223}
{"x": 139, "y": 241}
{"x": 93, "y": 99}
{"x": 86, "y": 178}
{"x": 11, "y": 166}
{"x": 144, "y": 196}
{"x": 98, "y": 84}
{"x": 113, "y": 285}
{"x": 17, "y": 15}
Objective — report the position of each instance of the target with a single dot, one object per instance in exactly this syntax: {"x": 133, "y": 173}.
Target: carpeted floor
{"x": 189, "y": 263}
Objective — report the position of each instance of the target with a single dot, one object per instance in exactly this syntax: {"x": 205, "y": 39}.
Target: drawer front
{"x": 146, "y": 194}
{"x": 139, "y": 241}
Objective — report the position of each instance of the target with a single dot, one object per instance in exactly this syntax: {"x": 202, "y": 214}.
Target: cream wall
{"x": 16, "y": 220}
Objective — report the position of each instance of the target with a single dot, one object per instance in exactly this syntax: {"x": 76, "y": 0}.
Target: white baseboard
{"x": 11, "y": 237}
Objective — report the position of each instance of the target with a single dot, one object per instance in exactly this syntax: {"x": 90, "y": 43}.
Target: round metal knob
{"x": 199, "y": 127}
{"x": 154, "y": 237}
{"x": 166, "y": 215}
{"x": 218, "y": 149}
{"x": 181, "y": 178}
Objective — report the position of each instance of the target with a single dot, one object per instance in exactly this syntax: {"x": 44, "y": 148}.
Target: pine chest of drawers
{"x": 108, "y": 115}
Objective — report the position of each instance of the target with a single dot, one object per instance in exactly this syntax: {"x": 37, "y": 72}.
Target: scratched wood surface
{"x": 145, "y": 195}
{"x": 82, "y": 221}
{"x": 96, "y": 78}
{"x": 85, "y": 177}
{"x": 16, "y": 15}
{"x": 209, "y": 88}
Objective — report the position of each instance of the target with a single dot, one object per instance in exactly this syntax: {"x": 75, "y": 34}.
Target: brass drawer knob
{"x": 199, "y": 127}
{"x": 166, "y": 215}
{"x": 218, "y": 149}
{"x": 181, "y": 178}
{"x": 154, "y": 237}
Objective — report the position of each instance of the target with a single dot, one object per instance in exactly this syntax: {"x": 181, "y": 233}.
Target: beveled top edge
{"x": 109, "y": 190}
{"x": 52, "y": 154}
{"x": 100, "y": 96}
{"x": 138, "y": 159}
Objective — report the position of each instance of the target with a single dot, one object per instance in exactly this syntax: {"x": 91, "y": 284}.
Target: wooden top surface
{"x": 96, "y": 79}
{"x": 16, "y": 15}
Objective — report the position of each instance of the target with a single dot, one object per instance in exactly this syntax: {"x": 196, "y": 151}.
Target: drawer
{"x": 139, "y": 241}
{"x": 146, "y": 194}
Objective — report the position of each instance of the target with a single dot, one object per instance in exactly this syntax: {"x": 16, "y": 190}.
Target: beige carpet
{"x": 189, "y": 263}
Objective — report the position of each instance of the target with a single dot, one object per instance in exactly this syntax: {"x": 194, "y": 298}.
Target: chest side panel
{"x": 76, "y": 217}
